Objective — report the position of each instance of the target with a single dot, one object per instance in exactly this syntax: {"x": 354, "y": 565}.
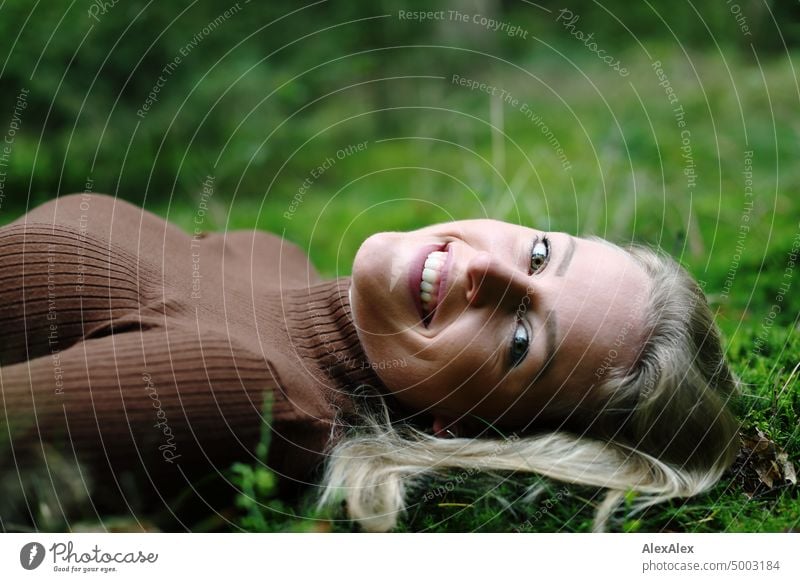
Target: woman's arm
{"x": 161, "y": 408}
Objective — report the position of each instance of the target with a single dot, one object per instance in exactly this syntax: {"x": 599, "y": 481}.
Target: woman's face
{"x": 512, "y": 321}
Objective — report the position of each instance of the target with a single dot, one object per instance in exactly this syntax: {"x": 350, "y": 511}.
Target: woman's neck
{"x": 322, "y": 331}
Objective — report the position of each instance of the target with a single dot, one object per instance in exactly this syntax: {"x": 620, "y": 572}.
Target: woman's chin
{"x": 379, "y": 284}
{"x": 370, "y": 264}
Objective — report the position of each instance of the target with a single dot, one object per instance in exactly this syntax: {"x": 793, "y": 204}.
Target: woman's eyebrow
{"x": 565, "y": 261}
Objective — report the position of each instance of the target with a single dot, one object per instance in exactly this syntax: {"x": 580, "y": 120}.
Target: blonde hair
{"x": 664, "y": 431}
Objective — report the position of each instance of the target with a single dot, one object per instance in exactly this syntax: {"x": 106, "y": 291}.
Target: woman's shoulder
{"x": 105, "y": 220}
{"x": 85, "y": 208}
{"x": 111, "y": 220}
{"x": 269, "y": 257}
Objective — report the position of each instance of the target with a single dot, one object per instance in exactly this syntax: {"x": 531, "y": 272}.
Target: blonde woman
{"x": 603, "y": 365}
{"x": 140, "y": 354}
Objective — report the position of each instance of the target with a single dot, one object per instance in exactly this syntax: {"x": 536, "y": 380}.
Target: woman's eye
{"x": 540, "y": 253}
{"x": 519, "y": 344}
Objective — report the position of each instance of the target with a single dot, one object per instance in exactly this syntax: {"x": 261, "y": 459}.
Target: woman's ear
{"x": 446, "y": 427}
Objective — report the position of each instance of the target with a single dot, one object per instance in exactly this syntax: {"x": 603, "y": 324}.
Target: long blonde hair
{"x": 664, "y": 431}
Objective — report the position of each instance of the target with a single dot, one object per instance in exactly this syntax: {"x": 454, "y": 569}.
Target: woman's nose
{"x": 495, "y": 282}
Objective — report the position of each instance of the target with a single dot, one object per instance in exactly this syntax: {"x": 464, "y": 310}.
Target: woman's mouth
{"x": 427, "y": 280}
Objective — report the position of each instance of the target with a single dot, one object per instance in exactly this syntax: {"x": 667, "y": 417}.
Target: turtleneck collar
{"x": 321, "y": 330}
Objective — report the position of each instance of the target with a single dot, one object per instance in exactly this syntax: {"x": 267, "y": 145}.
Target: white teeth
{"x": 431, "y": 275}
{"x": 435, "y": 260}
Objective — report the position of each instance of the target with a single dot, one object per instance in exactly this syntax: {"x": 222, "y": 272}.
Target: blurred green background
{"x": 265, "y": 94}
{"x": 671, "y": 123}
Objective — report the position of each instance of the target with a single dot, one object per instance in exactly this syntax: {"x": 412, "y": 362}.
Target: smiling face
{"x": 513, "y": 321}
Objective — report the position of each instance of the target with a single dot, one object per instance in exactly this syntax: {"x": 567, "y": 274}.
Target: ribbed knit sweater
{"x": 136, "y": 351}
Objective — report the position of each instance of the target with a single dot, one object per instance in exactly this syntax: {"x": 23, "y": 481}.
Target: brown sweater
{"x": 136, "y": 351}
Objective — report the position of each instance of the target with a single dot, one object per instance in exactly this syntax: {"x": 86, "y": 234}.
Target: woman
{"x": 143, "y": 354}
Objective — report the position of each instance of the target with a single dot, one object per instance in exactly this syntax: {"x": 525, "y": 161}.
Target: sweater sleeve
{"x": 156, "y": 409}
{"x": 160, "y": 407}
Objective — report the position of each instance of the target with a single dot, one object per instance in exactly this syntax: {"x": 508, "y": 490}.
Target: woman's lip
{"x": 415, "y": 277}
